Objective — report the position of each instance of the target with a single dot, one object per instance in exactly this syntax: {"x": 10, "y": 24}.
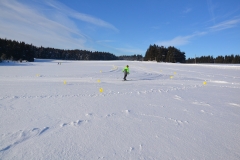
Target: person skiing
{"x": 126, "y": 72}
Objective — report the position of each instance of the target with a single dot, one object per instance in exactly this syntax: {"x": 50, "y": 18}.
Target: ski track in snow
{"x": 172, "y": 89}
{"x": 110, "y": 93}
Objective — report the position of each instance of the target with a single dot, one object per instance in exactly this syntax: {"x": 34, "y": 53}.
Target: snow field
{"x": 164, "y": 111}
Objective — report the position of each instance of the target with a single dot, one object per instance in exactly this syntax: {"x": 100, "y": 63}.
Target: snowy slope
{"x": 164, "y": 111}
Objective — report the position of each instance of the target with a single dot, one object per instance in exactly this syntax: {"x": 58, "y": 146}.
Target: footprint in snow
{"x": 178, "y": 97}
{"x": 110, "y": 115}
{"x": 88, "y": 114}
{"x": 206, "y": 112}
{"x": 234, "y": 104}
{"x": 131, "y": 149}
{"x": 64, "y": 124}
{"x": 201, "y": 103}
{"x": 178, "y": 122}
{"x": 74, "y": 123}
{"x": 22, "y": 136}
{"x": 126, "y": 111}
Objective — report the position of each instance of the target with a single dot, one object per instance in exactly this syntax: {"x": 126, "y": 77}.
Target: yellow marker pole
{"x": 64, "y": 82}
{"x": 171, "y": 77}
{"x": 204, "y": 83}
{"x": 98, "y": 81}
{"x": 175, "y": 73}
{"x": 101, "y": 90}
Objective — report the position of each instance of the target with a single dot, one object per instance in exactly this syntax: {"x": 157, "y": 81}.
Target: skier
{"x": 126, "y": 72}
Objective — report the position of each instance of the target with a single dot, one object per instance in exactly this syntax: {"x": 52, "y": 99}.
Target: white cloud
{"x": 225, "y": 25}
{"x": 187, "y": 10}
{"x": 179, "y": 40}
{"x": 80, "y": 16}
{"x": 211, "y": 8}
{"x": 44, "y": 26}
{"x": 183, "y": 40}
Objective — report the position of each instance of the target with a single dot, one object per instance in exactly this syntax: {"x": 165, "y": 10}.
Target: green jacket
{"x": 126, "y": 69}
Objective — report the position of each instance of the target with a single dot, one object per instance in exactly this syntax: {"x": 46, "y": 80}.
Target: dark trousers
{"x": 125, "y": 75}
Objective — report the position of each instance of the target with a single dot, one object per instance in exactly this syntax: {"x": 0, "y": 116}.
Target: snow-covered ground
{"x": 165, "y": 111}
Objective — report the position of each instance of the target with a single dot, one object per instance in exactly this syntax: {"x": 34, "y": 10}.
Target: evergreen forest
{"x": 18, "y": 51}
{"x": 13, "y": 50}
{"x": 163, "y": 54}
{"x": 174, "y": 55}
{"x": 219, "y": 59}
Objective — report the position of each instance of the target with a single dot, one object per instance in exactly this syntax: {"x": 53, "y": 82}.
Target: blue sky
{"x": 125, "y": 27}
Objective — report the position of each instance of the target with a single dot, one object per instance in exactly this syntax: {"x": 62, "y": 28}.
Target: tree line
{"x": 163, "y": 54}
{"x": 219, "y": 59}
{"x": 18, "y": 51}
{"x": 173, "y": 55}
{"x": 134, "y": 57}
{"x": 14, "y": 50}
